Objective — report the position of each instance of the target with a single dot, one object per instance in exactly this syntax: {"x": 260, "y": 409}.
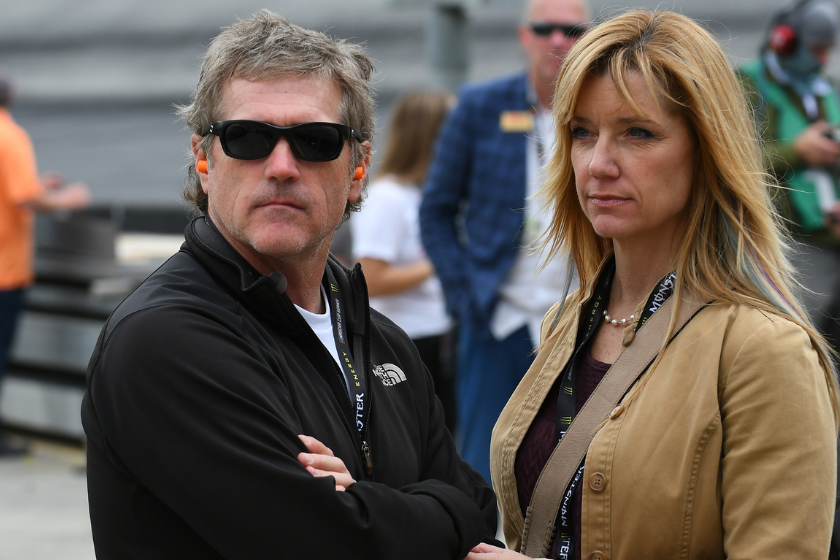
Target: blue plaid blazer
{"x": 477, "y": 179}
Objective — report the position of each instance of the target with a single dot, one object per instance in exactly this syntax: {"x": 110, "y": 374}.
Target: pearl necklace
{"x": 618, "y": 322}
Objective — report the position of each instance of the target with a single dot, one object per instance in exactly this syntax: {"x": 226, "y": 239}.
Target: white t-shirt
{"x": 321, "y": 325}
{"x": 388, "y": 229}
{"x": 526, "y": 295}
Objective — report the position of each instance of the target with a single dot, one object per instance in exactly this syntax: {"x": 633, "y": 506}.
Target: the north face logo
{"x": 389, "y": 374}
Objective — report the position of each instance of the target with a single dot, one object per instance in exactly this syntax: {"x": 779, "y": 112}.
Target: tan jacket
{"x": 727, "y": 451}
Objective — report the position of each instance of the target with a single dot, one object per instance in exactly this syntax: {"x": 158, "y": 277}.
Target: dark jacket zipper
{"x": 361, "y": 439}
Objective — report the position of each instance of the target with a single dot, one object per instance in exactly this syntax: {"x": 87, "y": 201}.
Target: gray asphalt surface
{"x": 43, "y": 506}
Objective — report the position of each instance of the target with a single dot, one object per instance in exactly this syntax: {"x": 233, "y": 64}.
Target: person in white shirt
{"x": 386, "y": 239}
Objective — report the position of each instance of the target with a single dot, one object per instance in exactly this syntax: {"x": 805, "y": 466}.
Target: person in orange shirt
{"x": 22, "y": 192}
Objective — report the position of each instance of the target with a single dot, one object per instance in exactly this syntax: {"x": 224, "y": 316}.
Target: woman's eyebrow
{"x": 634, "y": 119}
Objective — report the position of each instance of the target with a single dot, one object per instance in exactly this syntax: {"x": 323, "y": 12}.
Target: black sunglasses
{"x": 313, "y": 141}
{"x": 544, "y": 29}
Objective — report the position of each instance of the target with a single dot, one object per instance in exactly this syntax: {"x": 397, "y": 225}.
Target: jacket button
{"x": 597, "y": 482}
{"x": 598, "y": 555}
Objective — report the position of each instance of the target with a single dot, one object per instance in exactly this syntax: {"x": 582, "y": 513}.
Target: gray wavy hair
{"x": 268, "y": 47}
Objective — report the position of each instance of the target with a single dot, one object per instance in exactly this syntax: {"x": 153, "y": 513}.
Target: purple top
{"x": 539, "y": 441}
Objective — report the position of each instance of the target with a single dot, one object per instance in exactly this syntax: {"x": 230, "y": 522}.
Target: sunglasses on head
{"x": 313, "y": 141}
{"x": 544, "y": 29}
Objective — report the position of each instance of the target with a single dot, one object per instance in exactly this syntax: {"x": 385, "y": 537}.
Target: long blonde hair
{"x": 735, "y": 247}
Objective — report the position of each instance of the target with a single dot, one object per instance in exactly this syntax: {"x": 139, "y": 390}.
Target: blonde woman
{"x": 725, "y": 445}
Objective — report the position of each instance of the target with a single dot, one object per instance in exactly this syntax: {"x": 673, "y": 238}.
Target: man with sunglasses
{"x": 477, "y": 221}
{"x": 244, "y": 401}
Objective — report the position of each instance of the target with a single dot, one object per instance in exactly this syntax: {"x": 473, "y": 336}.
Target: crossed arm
{"x": 321, "y": 462}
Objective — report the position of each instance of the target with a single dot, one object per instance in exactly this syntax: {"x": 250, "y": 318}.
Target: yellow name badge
{"x": 516, "y": 121}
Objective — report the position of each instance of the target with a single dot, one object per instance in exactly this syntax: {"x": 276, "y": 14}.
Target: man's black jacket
{"x": 199, "y": 385}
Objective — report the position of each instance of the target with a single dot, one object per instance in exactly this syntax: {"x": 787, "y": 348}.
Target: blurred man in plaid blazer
{"x": 477, "y": 221}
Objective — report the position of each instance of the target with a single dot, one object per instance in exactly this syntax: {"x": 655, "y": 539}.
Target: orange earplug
{"x": 201, "y": 166}
{"x": 360, "y": 172}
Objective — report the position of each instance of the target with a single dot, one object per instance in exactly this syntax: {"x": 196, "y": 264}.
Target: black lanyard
{"x": 591, "y": 318}
{"x": 355, "y": 378}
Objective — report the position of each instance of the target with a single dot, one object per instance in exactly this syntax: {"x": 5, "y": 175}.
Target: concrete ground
{"x": 43, "y": 505}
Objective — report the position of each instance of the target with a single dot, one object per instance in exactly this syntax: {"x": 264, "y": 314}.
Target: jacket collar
{"x": 265, "y": 295}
